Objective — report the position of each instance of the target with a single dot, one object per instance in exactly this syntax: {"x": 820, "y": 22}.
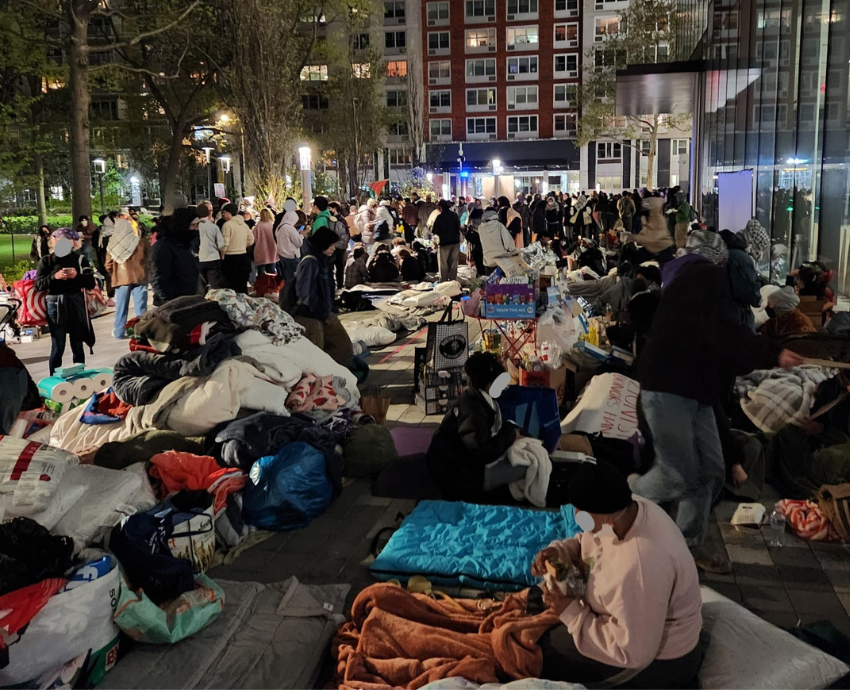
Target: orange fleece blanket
{"x": 400, "y": 640}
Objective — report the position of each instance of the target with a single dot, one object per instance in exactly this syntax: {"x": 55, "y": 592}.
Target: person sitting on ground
{"x": 382, "y": 268}
{"x": 784, "y": 316}
{"x": 311, "y": 302}
{"x": 356, "y": 271}
{"x": 638, "y": 623}
{"x": 399, "y": 243}
{"x": 421, "y": 254}
{"x": 411, "y": 270}
{"x": 467, "y": 455}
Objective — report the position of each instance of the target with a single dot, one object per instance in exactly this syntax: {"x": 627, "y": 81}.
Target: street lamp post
{"x": 207, "y": 151}
{"x": 305, "y": 157}
{"x": 497, "y": 170}
{"x": 225, "y": 162}
{"x": 100, "y": 170}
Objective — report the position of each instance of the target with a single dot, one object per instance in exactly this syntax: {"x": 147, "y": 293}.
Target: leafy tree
{"x": 644, "y": 33}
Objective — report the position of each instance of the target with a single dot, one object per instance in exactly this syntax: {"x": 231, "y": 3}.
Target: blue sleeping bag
{"x": 487, "y": 547}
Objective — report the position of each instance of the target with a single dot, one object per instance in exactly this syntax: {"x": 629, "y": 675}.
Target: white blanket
{"x": 530, "y": 453}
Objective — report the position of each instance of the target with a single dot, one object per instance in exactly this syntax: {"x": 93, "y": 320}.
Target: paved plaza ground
{"x": 799, "y": 583}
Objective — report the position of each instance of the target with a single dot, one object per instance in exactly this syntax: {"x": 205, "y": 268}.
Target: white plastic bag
{"x": 70, "y": 624}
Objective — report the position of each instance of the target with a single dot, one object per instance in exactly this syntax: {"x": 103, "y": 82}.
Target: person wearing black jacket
{"x": 174, "y": 271}
{"x": 64, "y": 275}
{"x": 694, "y": 342}
{"x": 466, "y": 457}
{"x": 447, "y": 230}
{"x": 539, "y": 226}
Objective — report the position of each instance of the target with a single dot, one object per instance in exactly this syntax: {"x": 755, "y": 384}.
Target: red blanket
{"x": 401, "y": 640}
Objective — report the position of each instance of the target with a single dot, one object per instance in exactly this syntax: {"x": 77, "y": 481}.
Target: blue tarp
{"x": 487, "y": 547}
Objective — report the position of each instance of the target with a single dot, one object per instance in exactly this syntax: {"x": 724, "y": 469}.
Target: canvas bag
{"x": 535, "y": 411}
{"x": 70, "y": 624}
{"x": 834, "y": 503}
{"x": 447, "y": 346}
{"x": 33, "y": 309}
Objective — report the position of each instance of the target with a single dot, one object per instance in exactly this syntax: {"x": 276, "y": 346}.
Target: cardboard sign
{"x": 607, "y": 407}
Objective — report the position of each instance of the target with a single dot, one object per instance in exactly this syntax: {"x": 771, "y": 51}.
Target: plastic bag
{"x": 286, "y": 491}
{"x": 192, "y": 611}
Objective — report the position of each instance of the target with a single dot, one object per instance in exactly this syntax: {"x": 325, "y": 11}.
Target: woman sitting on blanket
{"x": 467, "y": 455}
{"x": 638, "y": 622}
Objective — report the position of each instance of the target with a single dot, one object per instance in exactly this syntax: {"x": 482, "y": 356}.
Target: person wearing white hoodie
{"x": 495, "y": 238}
{"x": 289, "y": 240}
{"x": 384, "y": 223}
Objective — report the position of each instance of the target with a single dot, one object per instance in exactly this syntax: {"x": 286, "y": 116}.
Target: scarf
{"x": 709, "y": 245}
{"x": 124, "y": 241}
{"x": 757, "y": 239}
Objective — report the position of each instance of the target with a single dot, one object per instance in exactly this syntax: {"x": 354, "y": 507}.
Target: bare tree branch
{"x": 138, "y": 38}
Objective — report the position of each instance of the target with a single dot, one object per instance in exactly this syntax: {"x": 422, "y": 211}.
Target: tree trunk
{"x": 172, "y": 170}
{"x": 41, "y": 200}
{"x": 650, "y": 159}
{"x": 78, "y": 58}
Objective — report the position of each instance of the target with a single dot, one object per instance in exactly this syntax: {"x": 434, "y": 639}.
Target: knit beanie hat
{"x": 599, "y": 487}
{"x": 324, "y": 238}
{"x": 709, "y": 245}
{"x": 783, "y": 300}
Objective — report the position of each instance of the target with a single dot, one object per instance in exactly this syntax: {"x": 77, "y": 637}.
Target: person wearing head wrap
{"x": 640, "y": 609}
{"x": 446, "y": 228}
{"x": 758, "y": 241}
{"x": 174, "y": 271}
{"x": 127, "y": 265}
{"x": 63, "y": 275}
{"x": 310, "y": 299}
{"x": 707, "y": 244}
{"x": 785, "y": 317}
{"x": 744, "y": 282}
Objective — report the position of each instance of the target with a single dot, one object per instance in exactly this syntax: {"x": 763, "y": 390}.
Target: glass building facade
{"x": 773, "y": 97}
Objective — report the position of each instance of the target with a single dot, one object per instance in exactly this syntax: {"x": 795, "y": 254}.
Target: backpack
{"x": 288, "y": 299}
{"x": 342, "y": 232}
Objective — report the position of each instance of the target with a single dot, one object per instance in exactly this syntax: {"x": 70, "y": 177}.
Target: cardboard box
{"x": 556, "y": 379}
{"x": 430, "y": 407}
{"x": 509, "y": 301}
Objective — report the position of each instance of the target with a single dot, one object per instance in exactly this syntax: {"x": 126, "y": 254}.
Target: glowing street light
{"x": 225, "y": 162}
{"x": 100, "y": 170}
{"x": 305, "y": 157}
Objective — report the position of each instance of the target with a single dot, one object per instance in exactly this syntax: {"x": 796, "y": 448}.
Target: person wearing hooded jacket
{"x": 174, "y": 271}
{"x": 447, "y": 229}
{"x": 314, "y": 297}
{"x": 289, "y": 242}
{"x": 495, "y": 239}
{"x": 539, "y": 226}
{"x": 743, "y": 279}
{"x": 237, "y": 238}
{"x": 511, "y": 220}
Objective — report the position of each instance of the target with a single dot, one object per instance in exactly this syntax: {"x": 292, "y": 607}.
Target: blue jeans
{"x": 288, "y": 268}
{"x": 122, "y": 305}
{"x": 688, "y": 472}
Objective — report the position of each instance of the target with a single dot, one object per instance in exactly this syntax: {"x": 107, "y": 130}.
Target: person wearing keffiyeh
{"x": 757, "y": 239}
{"x": 126, "y": 263}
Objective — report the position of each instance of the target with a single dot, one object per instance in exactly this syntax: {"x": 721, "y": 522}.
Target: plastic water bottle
{"x": 776, "y": 536}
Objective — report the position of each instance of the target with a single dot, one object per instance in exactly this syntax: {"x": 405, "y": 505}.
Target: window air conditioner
{"x": 511, "y": 135}
{"x": 491, "y": 107}
{"x": 432, "y": 51}
{"x": 432, "y": 22}
{"x": 400, "y": 20}
{"x": 491, "y": 49}
{"x": 511, "y": 77}
{"x": 493, "y": 78}
{"x": 491, "y": 19}
{"x": 511, "y": 17}
{"x": 598, "y": 39}
{"x": 511, "y": 47}
{"x": 432, "y": 82}
{"x": 511, "y": 106}
{"x": 491, "y": 136}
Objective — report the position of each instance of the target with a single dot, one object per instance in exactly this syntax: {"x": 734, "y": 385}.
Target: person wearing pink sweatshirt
{"x": 638, "y": 622}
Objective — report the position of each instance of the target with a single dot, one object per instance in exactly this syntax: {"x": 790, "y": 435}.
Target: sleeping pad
{"x": 487, "y": 547}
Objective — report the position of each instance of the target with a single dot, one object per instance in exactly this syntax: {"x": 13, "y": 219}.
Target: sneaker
{"x": 110, "y": 302}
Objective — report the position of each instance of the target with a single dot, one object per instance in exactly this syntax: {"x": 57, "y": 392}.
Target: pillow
{"x": 372, "y": 335}
{"x": 745, "y": 651}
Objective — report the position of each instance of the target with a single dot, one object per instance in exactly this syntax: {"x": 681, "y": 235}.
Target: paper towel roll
{"x": 102, "y": 380}
{"x": 83, "y": 387}
{"x": 57, "y": 389}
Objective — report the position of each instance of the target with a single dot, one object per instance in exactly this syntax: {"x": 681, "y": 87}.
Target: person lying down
{"x": 632, "y": 611}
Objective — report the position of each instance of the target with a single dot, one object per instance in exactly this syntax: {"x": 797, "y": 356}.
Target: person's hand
{"x": 538, "y": 567}
{"x": 789, "y": 360}
{"x": 555, "y": 599}
{"x": 70, "y": 273}
{"x": 739, "y": 476}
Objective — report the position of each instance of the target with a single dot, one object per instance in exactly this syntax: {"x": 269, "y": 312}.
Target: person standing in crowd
{"x": 539, "y": 227}
{"x": 210, "y": 250}
{"x": 682, "y": 372}
{"x": 289, "y": 241}
{"x": 265, "y": 254}
{"x": 495, "y": 239}
{"x": 426, "y": 208}
{"x": 410, "y": 218}
{"x": 127, "y": 266}
{"x": 522, "y": 209}
{"x": 384, "y": 222}
{"x": 107, "y": 227}
{"x": 174, "y": 271}
{"x": 365, "y": 224}
{"x": 312, "y": 304}
{"x": 511, "y": 220}
{"x": 447, "y": 231}
{"x": 41, "y": 244}
{"x": 744, "y": 282}
{"x": 237, "y": 238}
{"x": 340, "y": 227}
{"x": 554, "y": 226}
{"x": 85, "y": 229}
{"x": 321, "y": 215}
{"x": 626, "y": 210}
{"x": 64, "y": 275}
{"x": 682, "y": 219}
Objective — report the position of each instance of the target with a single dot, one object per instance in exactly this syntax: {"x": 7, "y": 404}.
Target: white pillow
{"x": 372, "y": 335}
{"x": 745, "y": 651}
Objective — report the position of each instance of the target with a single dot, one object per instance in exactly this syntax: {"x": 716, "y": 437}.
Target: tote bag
{"x": 447, "y": 346}
{"x": 535, "y": 411}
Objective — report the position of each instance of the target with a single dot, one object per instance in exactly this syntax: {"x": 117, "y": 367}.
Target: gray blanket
{"x": 268, "y": 636}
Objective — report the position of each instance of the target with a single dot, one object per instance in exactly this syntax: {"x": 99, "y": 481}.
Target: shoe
{"x": 711, "y": 563}
{"x": 110, "y": 302}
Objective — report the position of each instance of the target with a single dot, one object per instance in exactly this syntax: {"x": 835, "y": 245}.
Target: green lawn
{"x": 14, "y": 248}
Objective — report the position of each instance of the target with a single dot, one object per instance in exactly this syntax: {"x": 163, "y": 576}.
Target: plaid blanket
{"x": 775, "y": 398}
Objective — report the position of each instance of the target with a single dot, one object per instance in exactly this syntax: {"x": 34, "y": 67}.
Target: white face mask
{"x": 498, "y": 386}
{"x": 84, "y": 223}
